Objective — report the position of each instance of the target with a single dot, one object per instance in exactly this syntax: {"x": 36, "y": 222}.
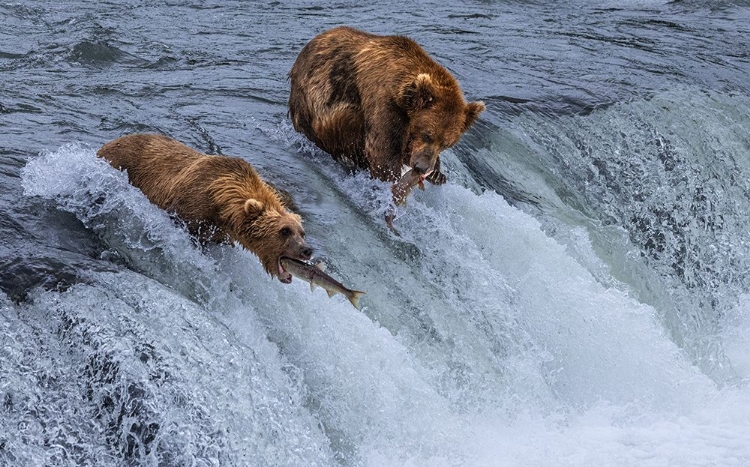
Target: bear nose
{"x": 306, "y": 252}
{"x": 420, "y": 168}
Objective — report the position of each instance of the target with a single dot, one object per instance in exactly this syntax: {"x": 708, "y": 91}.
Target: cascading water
{"x": 665, "y": 198}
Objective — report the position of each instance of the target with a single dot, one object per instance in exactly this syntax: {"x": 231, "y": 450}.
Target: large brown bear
{"x": 219, "y": 198}
{"x": 378, "y": 103}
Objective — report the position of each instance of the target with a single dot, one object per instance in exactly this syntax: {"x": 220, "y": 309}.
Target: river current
{"x": 577, "y": 294}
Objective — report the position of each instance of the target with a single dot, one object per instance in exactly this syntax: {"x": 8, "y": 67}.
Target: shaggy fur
{"x": 378, "y": 103}
{"x": 219, "y": 198}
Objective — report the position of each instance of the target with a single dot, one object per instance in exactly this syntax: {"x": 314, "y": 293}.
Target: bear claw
{"x": 437, "y": 178}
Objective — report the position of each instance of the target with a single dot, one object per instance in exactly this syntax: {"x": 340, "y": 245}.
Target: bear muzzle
{"x": 301, "y": 251}
{"x": 305, "y": 252}
{"x": 423, "y": 161}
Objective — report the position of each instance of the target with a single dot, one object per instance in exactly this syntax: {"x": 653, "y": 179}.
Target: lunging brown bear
{"x": 220, "y": 198}
{"x": 378, "y": 103}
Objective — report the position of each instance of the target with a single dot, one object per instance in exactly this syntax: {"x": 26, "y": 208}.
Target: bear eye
{"x": 427, "y": 138}
{"x": 285, "y": 232}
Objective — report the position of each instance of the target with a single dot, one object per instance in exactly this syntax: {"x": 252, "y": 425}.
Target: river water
{"x": 578, "y": 293}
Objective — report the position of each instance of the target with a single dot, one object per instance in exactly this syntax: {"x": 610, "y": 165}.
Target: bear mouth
{"x": 284, "y": 276}
{"x": 422, "y": 175}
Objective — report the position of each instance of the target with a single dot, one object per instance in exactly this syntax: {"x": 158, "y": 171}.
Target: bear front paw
{"x": 436, "y": 177}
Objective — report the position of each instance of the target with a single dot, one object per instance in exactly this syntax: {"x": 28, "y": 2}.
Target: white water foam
{"x": 482, "y": 341}
{"x": 736, "y": 338}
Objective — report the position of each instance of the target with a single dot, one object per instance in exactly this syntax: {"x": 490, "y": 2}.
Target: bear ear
{"x": 253, "y": 207}
{"x": 419, "y": 94}
{"x": 473, "y": 109}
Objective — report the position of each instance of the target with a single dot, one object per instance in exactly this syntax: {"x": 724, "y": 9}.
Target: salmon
{"x": 401, "y": 190}
{"x": 316, "y": 276}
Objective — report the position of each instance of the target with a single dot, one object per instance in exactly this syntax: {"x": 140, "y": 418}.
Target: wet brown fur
{"x": 377, "y": 102}
{"x": 220, "y": 198}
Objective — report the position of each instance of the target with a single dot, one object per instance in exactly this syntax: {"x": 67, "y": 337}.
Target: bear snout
{"x": 298, "y": 248}
{"x": 306, "y": 252}
{"x": 420, "y": 168}
{"x": 423, "y": 162}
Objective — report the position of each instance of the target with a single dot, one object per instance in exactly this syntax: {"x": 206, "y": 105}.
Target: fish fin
{"x": 331, "y": 293}
{"x": 312, "y": 287}
{"x": 354, "y": 299}
{"x": 321, "y": 266}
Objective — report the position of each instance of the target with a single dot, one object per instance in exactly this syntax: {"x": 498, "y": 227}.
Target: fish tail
{"x": 354, "y": 298}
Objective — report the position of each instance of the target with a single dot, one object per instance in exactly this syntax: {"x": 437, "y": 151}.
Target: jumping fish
{"x": 401, "y": 190}
{"x": 315, "y": 275}
{"x": 404, "y": 185}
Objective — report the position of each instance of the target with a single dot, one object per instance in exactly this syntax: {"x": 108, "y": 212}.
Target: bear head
{"x": 438, "y": 116}
{"x": 272, "y": 232}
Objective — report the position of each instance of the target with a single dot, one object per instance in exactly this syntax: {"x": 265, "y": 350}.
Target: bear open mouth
{"x": 422, "y": 176}
{"x": 284, "y": 276}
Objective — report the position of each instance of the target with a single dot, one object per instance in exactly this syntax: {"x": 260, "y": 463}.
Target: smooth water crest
{"x": 577, "y": 294}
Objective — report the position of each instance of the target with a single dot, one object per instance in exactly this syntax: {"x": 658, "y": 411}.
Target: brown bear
{"x": 378, "y": 103}
{"x": 219, "y": 198}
